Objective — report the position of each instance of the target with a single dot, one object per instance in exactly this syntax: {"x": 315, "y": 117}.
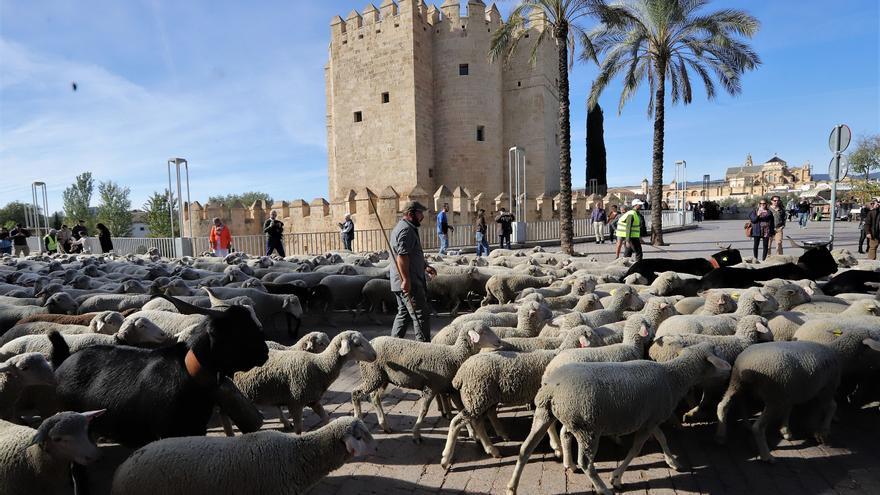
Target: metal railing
{"x": 312, "y": 243}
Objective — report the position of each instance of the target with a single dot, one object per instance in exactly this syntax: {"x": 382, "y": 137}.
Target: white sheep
{"x": 299, "y": 379}
{"x": 38, "y": 461}
{"x": 265, "y": 462}
{"x": 784, "y": 324}
{"x": 420, "y": 366}
{"x": 107, "y": 323}
{"x": 751, "y": 302}
{"x": 18, "y": 373}
{"x": 595, "y": 399}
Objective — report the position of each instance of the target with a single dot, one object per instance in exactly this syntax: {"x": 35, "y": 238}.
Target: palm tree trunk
{"x": 566, "y": 230}
{"x": 657, "y": 165}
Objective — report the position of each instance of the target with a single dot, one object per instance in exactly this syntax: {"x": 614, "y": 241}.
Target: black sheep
{"x": 157, "y": 393}
{"x": 650, "y": 267}
{"x": 813, "y": 264}
{"x": 852, "y": 281}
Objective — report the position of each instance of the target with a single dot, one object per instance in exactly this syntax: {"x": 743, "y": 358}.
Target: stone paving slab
{"x": 849, "y": 465}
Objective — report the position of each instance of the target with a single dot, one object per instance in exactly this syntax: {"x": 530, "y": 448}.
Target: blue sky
{"x": 237, "y": 88}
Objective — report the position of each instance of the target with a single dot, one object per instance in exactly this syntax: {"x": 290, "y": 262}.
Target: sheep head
{"x": 65, "y": 436}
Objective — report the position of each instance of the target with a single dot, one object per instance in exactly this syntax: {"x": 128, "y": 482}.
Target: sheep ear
{"x": 583, "y": 341}
{"x": 90, "y": 415}
{"x": 8, "y": 368}
{"x": 762, "y": 328}
{"x": 474, "y": 336}
{"x": 99, "y": 325}
{"x": 344, "y": 347}
{"x": 760, "y": 297}
{"x": 664, "y": 305}
{"x": 809, "y": 291}
{"x": 719, "y": 363}
{"x": 873, "y": 344}
{"x": 643, "y": 330}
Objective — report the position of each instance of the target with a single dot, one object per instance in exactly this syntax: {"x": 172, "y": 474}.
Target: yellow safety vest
{"x": 629, "y": 225}
{"x": 51, "y": 243}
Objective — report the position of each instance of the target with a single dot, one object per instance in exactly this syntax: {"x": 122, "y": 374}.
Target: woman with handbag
{"x": 762, "y": 228}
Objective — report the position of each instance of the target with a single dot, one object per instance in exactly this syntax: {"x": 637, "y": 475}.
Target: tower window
{"x": 463, "y": 69}
{"x": 481, "y": 134}
{"x": 518, "y": 84}
{"x": 386, "y": 97}
{"x": 360, "y": 36}
{"x": 358, "y": 116}
{"x": 431, "y": 173}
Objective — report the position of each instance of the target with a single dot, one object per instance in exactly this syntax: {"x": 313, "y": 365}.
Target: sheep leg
{"x": 784, "y": 430}
{"x": 555, "y": 444}
{"x": 284, "y": 420}
{"x": 319, "y": 410}
{"x": 427, "y": 398}
{"x": 227, "y": 425}
{"x": 565, "y": 438}
{"x": 296, "y": 414}
{"x": 454, "y": 311}
{"x": 376, "y": 398}
{"x": 638, "y": 442}
{"x": 540, "y": 422}
{"x": 825, "y": 427}
{"x": 723, "y": 410}
{"x": 451, "y": 439}
{"x": 443, "y": 406}
{"x": 492, "y": 414}
{"x": 671, "y": 459}
{"x": 454, "y": 397}
{"x": 588, "y": 445}
{"x": 479, "y": 426}
{"x": 759, "y": 429}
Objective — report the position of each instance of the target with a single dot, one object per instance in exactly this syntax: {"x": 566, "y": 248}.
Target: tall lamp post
{"x": 681, "y": 175}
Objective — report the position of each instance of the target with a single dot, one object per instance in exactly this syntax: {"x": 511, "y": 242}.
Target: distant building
{"x": 139, "y": 226}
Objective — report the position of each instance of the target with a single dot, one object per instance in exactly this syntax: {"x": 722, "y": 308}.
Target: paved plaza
{"x": 850, "y": 464}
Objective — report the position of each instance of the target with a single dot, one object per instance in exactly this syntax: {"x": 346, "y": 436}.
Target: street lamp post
{"x": 681, "y": 174}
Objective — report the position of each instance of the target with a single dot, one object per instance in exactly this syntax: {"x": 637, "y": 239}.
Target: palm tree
{"x": 563, "y": 18}
{"x": 660, "y": 40}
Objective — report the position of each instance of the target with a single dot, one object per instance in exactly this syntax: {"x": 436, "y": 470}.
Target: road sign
{"x": 842, "y": 169}
{"x": 839, "y": 139}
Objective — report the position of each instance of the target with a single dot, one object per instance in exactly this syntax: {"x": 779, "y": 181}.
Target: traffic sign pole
{"x": 838, "y": 142}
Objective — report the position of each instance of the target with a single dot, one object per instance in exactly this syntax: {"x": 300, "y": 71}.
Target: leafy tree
{"x": 115, "y": 208}
{"x": 77, "y": 198}
{"x": 866, "y": 156}
{"x": 597, "y": 167}
{"x": 158, "y": 218}
{"x": 667, "y": 40}
{"x": 57, "y": 219}
{"x": 563, "y": 29}
{"x": 12, "y": 213}
{"x": 247, "y": 198}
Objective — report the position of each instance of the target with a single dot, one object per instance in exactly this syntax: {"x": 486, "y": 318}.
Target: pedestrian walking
{"x": 872, "y": 229}
{"x": 629, "y": 231}
{"x": 346, "y": 231}
{"x": 5, "y": 241}
{"x": 791, "y": 208}
{"x": 443, "y": 228}
{"x": 104, "y": 238}
{"x": 19, "y": 237}
{"x": 480, "y": 230}
{"x": 779, "y": 215}
{"x": 762, "y": 228}
{"x": 64, "y": 238}
{"x": 50, "y": 241}
{"x": 409, "y": 274}
{"x": 220, "y": 238}
{"x": 599, "y": 217}
{"x": 274, "y": 230}
{"x": 863, "y": 214}
{"x": 613, "y": 214}
{"x": 505, "y": 222}
{"x": 803, "y": 212}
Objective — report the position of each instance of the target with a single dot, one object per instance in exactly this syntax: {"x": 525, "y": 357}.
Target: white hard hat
{"x": 637, "y": 202}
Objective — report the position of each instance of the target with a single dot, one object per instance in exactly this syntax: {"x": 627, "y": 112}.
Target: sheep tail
{"x": 60, "y": 349}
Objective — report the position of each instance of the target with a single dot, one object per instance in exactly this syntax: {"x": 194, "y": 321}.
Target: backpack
{"x": 748, "y": 228}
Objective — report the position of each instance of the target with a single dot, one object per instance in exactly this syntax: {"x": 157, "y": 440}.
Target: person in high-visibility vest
{"x": 629, "y": 230}
{"x": 51, "y": 241}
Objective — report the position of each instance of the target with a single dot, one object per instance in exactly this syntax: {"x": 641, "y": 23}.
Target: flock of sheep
{"x": 142, "y": 350}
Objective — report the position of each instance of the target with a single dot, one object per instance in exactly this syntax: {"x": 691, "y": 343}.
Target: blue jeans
{"x": 482, "y": 244}
{"x": 802, "y": 218}
{"x": 444, "y": 242}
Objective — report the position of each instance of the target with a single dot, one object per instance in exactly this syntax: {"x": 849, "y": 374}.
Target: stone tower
{"x": 414, "y": 103}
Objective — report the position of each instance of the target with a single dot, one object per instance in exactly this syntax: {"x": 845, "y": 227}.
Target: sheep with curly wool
{"x": 712, "y": 303}
{"x": 488, "y": 380}
{"x": 752, "y": 302}
{"x": 529, "y": 344}
{"x": 860, "y": 359}
{"x": 418, "y": 366}
{"x": 138, "y": 332}
{"x": 39, "y": 461}
{"x": 784, "y": 374}
{"x": 784, "y": 324}
{"x": 788, "y": 295}
{"x": 19, "y": 373}
{"x": 504, "y": 288}
{"x": 656, "y": 311}
{"x": 579, "y": 288}
{"x": 595, "y": 399}
{"x": 529, "y": 318}
{"x": 314, "y": 342}
{"x": 299, "y": 379}
{"x": 106, "y": 322}
{"x": 623, "y": 299}
{"x": 225, "y": 465}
